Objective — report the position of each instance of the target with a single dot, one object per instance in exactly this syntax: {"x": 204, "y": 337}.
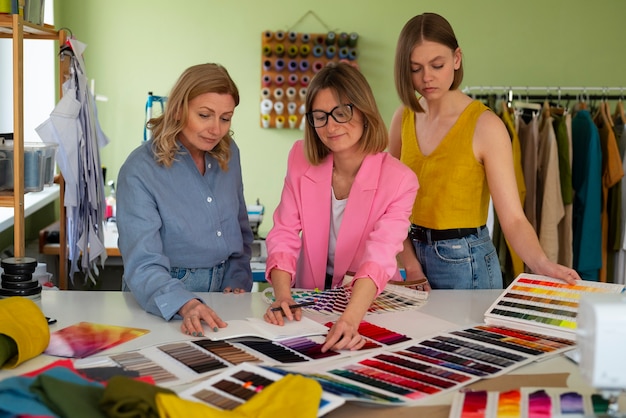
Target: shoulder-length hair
{"x": 425, "y": 27}
{"x": 193, "y": 82}
{"x": 350, "y": 87}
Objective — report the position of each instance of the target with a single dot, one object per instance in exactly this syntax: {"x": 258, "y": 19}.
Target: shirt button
{"x": 208, "y": 165}
{"x": 219, "y": 233}
{"x": 209, "y": 199}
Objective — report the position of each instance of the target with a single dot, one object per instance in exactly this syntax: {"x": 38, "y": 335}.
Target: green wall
{"x": 143, "y": 45}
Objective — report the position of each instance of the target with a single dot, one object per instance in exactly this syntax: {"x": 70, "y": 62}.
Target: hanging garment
{"x": 73, "y": 124}
{"x": 550, "y": 209}
{"x": 562, "y": 128}
{"x": 516, "y": 262}
{"x": 619, "y": 255}
{"x": 612, "y": 172}
{"x": 528, "y": 132}
{"x": 587, "y": 184}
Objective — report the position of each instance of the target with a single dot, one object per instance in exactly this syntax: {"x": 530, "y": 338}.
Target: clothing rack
{"x": 551, "y": 92}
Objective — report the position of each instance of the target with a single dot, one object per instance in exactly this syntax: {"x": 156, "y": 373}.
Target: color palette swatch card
{"x": 86, "y": 338}
{"x": 414, "y": 370}
{"x": 236, "y": 385}
{"x": 543, "y": 304}
{"x": 175, "y": 363}
{"x": 257, "y": 327}
{"x": 528, "y": 402}
{"x": 334, "y": 301}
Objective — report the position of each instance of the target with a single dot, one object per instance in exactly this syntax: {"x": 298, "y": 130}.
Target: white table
{"x": 119, "y": 308}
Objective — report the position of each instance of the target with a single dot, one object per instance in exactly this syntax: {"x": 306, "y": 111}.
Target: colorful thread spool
{"x": 280, "y": 35}
{"x": 305, "y": 50}
{"x": 265, "y": 121}
{"x": 292, "y": 36}
{"x": 280, "y": 64}
{"x": 266, "y": 80}
{"x": 292, "y": 106}
{"x": 304, "y": 66}
{"x": 292, "y": 80}
{"x": 352, "y": 40}
{"x": 291, "y": 93}
{"x": 280, "y": 122}
{"x": 305, "y": 38}
{"x": 266, "y": 106}
{"x": 330, "y": 38}
{"x": 343, "y": 39}
{"x": 267, "y": 50}
{"x": 317, "y": 66}
{"x": 293, "y": 119}
{"x": 293, "y": 51}
{"x": 268, "y": 35}
{"x": 279, "y": 80}
{"x": 279, "y": 50}
{"x": 279, "y": 94}
{"x": 318, "y": 51}
{"x": 292, "y": 65}
{"x": 279, "y": 108}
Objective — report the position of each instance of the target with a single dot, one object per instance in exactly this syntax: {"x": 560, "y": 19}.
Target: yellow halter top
{"x": 453, "y": 188}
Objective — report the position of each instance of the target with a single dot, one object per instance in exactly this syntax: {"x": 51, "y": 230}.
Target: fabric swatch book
{"x": 542, "y": 304}
{"x": 236, "y": 385}
{"x": 529, "y": 402}
{"x": 86, "y": 338}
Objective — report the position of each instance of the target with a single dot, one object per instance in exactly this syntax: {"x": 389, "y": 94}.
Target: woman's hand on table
{"x": 344, "y": 335}
{"x": 194, "y": 313}
{"x": 280, "y": 309}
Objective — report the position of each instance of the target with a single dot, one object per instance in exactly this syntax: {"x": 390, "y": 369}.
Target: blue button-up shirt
{"x": 176, "y": 217}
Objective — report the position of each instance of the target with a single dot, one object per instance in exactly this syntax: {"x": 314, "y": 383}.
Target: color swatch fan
{"x": 334, "y": 301}
{"x": 542, "y": 304}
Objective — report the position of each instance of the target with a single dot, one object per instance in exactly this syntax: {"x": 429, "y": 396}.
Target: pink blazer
{"x": 374, "y": 226}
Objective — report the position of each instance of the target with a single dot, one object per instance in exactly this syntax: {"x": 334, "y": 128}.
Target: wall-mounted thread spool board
{"x": 289, "y": 60}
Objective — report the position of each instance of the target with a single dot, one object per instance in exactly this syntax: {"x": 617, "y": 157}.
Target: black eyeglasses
{"x": 319, "y": 118}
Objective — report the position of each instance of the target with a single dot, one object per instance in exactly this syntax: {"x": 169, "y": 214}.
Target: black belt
{"x": 419, "y": 233}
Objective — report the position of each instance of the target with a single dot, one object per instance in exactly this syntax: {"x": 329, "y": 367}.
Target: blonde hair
{"x": 193, "y": 82}
{"x": 350, "y": 87}
{"x": 425, "y": 27}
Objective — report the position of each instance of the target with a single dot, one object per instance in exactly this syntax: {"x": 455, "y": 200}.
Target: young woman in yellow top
{"x": 462, "y": 155}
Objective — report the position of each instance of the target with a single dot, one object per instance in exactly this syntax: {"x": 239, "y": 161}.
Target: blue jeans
{"x": 470, "y": 262}
{"x": 200, "y": 280}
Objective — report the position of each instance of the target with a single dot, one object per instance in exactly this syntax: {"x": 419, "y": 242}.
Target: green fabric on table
{"x": 69, "y": 400}
{"x": 8, "y": 348}
{"x": 128, "y": 398}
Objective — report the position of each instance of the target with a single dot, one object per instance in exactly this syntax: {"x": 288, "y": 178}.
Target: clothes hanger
{"x": 619, "y": 111}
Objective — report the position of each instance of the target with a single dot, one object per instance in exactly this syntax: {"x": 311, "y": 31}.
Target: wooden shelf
{"x": 14, "y": 27}
{"x": 31, "y": 31}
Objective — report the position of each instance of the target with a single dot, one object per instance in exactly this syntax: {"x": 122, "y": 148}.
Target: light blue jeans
{"x": 470, "y": 262}
{"x": 200, "y": 280}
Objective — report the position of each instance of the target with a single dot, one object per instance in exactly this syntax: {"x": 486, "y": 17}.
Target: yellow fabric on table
{"x": 293, "y": 395}
{"x": 22, "y": 321}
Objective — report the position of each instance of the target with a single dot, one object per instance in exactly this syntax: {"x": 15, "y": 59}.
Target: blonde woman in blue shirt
{"x": 181, "y": 215}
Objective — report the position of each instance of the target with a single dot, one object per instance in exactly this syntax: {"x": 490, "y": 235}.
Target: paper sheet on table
{"x": 256, "y": 327}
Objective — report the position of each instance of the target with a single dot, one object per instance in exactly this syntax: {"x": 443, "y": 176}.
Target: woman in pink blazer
{"x": 345, "y": 204}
